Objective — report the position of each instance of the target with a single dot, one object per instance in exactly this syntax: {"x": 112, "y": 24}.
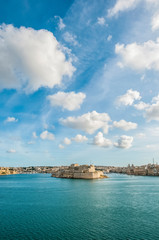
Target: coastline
{"x": 143, "y": 170}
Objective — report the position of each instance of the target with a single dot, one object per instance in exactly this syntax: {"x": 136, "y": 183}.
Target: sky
{"x": 79, "y": 82}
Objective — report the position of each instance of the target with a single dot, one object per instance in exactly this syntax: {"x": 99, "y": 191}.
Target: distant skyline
{"x": 79, "y": 82}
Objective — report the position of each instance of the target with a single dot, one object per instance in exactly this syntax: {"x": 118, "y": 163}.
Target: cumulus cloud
{"x": 79, "y": 138}
{"x": 124, "y": 142}
{"x": 121, "y": 6}
{"x": 11, "y": 119}
{"x": 61, "y": 146}
{"x": 126, "y": 126}
{"x": 89, "y": 122}
{"x": 70, "y": 101}
{"x": 143, "y": 56}
{"x": 67, "y": 141}
{"x": 141, "y": 105}
{"x": 11, "y": 151}
{"x": 155, "y": 99}
{"x": 152, "y": 112}
{"x": 47, "y": 136}
{"x": 128, "y": 98}
{"x": 155, "y": 22}
{"x": 101, "y": 141}
{"x": 126, "y": 5}
{"x": 31, "y": 59}
{"x": 70, "y": 38}
{"x": 101, "y": 20}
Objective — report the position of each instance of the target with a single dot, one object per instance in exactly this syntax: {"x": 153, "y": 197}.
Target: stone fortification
{"x": 79, "y": 172}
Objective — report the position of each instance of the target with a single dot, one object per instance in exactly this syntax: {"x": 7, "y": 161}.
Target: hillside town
{"x": 143, "y": 170}
{"x": 7, "y": 171}
{"x": 27, "y": 170}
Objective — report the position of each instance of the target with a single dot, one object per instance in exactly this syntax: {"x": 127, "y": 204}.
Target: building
{"x": 79, "y": 172}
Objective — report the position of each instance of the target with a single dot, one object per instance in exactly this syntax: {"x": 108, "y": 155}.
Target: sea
{"x": 39, "y": 207}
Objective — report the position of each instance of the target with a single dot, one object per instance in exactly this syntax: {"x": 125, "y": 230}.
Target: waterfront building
{"x": 79, "y": 172}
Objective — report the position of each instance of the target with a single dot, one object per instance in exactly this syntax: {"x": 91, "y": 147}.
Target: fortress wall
{"x": 88, "y": 175}
{"x": 82, "y": 172}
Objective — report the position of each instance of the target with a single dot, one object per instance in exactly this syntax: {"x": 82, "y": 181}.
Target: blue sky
{"x": 79, "y": 82}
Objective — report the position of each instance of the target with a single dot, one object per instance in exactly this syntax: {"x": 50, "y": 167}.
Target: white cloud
{"x": 121, "y": 6}
{"x": 109, "y": 38}
{"x": 124, "y": 142}
{"x": 34, "y": 135}
{"x": 155, "y": 22}
{"x": 70, "y": 38}
{"x": 141, "y": 105}
{"x": 11, "y": 151}
{"x": 70, "y": 101}
{"x": 126, "y": 5}
{"x": 67, "y": 141}
{"x": 11, "y": 119}
{"x": 101, "y": 141}
{"x": 47, "y": 136}
{"x": 101, "y": 20}
{"x": 126, "y": 126}
{"x": 152, "y": 112}
{"x": 140, "y": 56}
{"x": 155, "y": 99}
{"x": 31, "y": 59}
{"x": 61, "y": 24}
{"x": 89, "y": 122}
{"x": 61, "y": 146}
{"x": 79, "y": 138}
{"x": 128, "y": 98}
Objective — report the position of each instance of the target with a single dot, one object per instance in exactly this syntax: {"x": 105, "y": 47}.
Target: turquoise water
{"x": 40, "y": 207}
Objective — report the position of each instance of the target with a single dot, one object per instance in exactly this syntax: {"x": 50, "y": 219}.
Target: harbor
{"x": 84, "y": 171}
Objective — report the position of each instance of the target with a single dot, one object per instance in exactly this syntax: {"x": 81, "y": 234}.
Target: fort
{"x": 79, "y": 172}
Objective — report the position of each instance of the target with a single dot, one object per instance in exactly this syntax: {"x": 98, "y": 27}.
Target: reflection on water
{"x": 40, "y": 207}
